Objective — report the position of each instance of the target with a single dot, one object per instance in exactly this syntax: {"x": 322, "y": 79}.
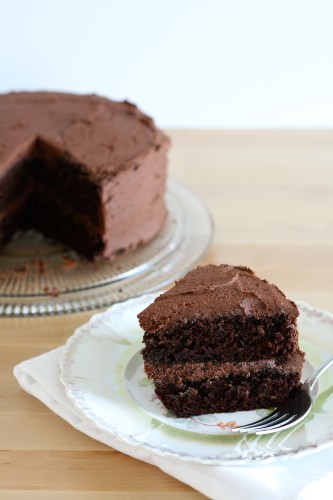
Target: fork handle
{"x": 313, "y": 379}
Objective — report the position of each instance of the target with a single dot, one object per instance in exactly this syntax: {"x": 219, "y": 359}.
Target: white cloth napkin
{"x": 308, "y": 477}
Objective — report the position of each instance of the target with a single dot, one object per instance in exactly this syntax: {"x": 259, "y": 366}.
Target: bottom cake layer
{"x": 197, "y": 389}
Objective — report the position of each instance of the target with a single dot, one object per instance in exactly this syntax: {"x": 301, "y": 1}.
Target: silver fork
{"x": 294, "y": 409}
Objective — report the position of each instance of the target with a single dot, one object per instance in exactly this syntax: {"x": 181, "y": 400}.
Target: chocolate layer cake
{"x": 221, "y": 340}
{"x": 84, "y": 170}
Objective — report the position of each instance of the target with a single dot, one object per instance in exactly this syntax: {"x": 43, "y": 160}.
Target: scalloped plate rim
{"x": 82, "y": 331}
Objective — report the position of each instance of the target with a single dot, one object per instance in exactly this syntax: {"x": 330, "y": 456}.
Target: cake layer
{"x": 48, "y": 213}
{"x": 223, "y": 339}
{"x": 71, "y": 180}
{"x": 190, "y": 390}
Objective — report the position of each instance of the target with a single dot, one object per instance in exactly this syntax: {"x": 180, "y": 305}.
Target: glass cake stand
{"x": 39, "y": 277}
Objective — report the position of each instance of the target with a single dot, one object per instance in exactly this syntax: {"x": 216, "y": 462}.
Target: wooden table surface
{"x": 271, "y": 197}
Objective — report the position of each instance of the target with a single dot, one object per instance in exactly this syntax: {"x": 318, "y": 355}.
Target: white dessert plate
{"x": 39, "y": 277}
{"x": 102, "y": 372}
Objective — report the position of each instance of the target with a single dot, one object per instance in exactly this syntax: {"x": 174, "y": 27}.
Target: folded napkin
{"x": 306, "y": 477}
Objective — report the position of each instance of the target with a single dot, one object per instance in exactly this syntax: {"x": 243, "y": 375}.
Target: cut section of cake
{"x": 221, "y": 340}
{"x": 86, "y": 171}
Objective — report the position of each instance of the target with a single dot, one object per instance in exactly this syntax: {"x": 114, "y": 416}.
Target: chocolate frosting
{"x": 92, "y": 130}
{"x": 178, "y": 373}
{"x": 216, "y": 291}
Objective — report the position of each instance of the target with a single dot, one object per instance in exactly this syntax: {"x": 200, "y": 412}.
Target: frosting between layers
{"x": 179, "y": 373}
{"x": 214, "y": 291}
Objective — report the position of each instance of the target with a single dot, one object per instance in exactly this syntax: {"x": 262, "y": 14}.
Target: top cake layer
{"x": 91, "y": 130}
{"x": 216, "y": 291}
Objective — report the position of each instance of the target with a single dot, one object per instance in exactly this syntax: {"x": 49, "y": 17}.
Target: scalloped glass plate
{"x": 101, "y": 370}
{"x": 39, "y": 277}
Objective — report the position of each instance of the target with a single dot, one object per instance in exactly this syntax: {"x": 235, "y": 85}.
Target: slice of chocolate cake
{"x": 221, "y": 340}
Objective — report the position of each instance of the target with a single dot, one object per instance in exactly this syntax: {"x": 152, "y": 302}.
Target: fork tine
{"x": 279, "y": 417}
{"x": 277, "y": 425}
{"x": 269, "y": 422}
{"x": 263, "y": 420}
{"x": 281, "y": 426}
{"x": 279, "y": 420}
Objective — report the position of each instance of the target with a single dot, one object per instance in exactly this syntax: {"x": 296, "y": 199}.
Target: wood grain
{"x": 271, "y": 197}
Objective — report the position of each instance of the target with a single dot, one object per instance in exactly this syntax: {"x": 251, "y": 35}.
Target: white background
{"x": 188, "y": 63}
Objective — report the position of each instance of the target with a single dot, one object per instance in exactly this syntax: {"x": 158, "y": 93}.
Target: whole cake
{"x": 84, "y": 170}
{"x": 221, "y": 340}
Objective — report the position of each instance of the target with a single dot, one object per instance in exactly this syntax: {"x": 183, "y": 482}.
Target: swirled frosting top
{"x": 96, "y": 132}
{"x": 216, "y": 291}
